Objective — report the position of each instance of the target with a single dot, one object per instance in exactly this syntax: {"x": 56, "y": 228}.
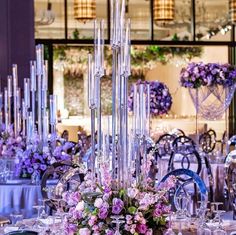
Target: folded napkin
{"x": 49, "y": 221}
{"x": 9, "y": 229}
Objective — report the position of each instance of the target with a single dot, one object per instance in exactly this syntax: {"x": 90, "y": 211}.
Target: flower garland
{"x": 160, "y": 98}
{"x": 143, "y": 210}
{"x": 200, "y": 74}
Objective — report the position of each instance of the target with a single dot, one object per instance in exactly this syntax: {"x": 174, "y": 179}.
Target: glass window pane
{"x": 49, "y": 19}
{"x": 70, "y": 63}
{"x": 139, "y": 13}
{"x": 212, "y": 20}
{"x": 177, "y": 29}
{"x": 84, "y": 30}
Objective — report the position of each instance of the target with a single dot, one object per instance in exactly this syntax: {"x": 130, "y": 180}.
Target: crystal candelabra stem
{"x": 114, "y": 111}
{"x": 15, "y": 86}
{"x": 1, "y": 106}
{"x": 93, "y": 156}
{"x": 33, "y": 89}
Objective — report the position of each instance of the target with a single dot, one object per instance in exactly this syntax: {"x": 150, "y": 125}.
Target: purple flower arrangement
{"x": 144, "y": 211}
{"x": 200, "y": 74}
{"x": 37, "y": 158}
{"x": 10, "y": 146}
{"x": 160, "y": 98}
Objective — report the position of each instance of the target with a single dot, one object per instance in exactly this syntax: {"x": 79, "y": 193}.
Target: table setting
{"x": 123, "y": 181}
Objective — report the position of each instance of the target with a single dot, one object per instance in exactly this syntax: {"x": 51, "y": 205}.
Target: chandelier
{"x": 47, "y": 16}
{"x": 232, "y": 11}
{"x": 163, "y": 11}
{"x": 84, "y": 10}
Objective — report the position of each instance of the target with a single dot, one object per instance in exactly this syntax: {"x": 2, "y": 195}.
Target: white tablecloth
{"x": 19, "y": 198}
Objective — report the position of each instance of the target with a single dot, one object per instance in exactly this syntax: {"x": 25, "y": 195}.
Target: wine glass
{"x": 203, "y": 228}
{"x": 117, "y": 219}
{"x": 182, "y": 204}
{"x": 37, "y": 222}
{"x": 16, "y": 217}
{"x": 169, "y": 231}
{"x": 219, "y": 229}
{"x": 44, "y": 214}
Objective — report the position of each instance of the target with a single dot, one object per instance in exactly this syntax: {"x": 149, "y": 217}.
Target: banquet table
{"x": 188, "y": 227}
{"x": 20, "y": 198}
{"x": 218, "y": 172}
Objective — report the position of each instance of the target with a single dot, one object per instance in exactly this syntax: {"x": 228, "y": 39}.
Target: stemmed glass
{"x": 170, "y": 231}
{"x": 219, "y": 230}
{"x": 39, "y": 206}
{"x": 182, "y": 203}
{"x": 203, "y": 228}
{"x": 117, "y": 219}
{"x": 16, "y": 217}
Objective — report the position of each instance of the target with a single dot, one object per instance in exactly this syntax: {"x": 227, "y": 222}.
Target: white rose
{"x": 132, "y": 192}
{"x": 98, "y": 202}
{"x": 80, "y": 206}
{"x": 84, "y": 231}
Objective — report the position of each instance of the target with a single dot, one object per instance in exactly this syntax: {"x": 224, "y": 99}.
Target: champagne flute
{"x": 169, "y": 231}
{"x": 219, "y": 230}
{"x": 117, "y": 219}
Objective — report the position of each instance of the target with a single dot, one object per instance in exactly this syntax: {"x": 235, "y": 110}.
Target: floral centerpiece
{"x": 10, "y": 146}
{"x": 141, "y": 209}
{"x": 36, "y": 158}
{"x": 211, "y": 87}
{"x": 160, "y": 98}
{"x": 200, "y": 74}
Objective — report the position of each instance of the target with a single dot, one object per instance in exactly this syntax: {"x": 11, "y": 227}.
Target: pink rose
{"x": 141, "y": 228}
{"x": 84, "y": 231}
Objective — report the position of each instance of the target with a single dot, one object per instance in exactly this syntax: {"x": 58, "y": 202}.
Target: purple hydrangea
{"x": 200, "y": 74}
{"x": 160, "y": 98}
{"x": 117, "y": 206}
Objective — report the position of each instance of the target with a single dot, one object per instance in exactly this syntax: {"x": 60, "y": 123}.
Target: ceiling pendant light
{"x": 163, "y": 11}
{"x": 232, "y": 11}
{"x": 84, "y": 10}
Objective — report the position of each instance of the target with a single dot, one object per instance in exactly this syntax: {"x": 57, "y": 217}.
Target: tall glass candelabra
{"x": 128, "y": 145}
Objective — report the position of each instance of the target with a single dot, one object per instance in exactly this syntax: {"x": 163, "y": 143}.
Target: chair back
{"x": 183, "y": 144}
{"x": 23, "y": 232}
{"x": 68, "y": 178}
{"x": 207, "y": 141}
{"x": 184, "y": 178}
{"x": 163, "y": 145}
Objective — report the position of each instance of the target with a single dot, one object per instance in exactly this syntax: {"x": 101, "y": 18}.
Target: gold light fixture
{"x": 232, "y": 11}
{"x": 84, "y": 10}
{"x": 163, "y": 11}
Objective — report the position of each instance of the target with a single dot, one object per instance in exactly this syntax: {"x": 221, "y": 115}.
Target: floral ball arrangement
{"x": 160, "y": 98}
{"x": 200, "y": 74}
{"x": 9, "y": 145}
{"x": 142, "y": 209}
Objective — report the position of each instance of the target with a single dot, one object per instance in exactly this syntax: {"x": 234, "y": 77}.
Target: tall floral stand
{"x": 211, "y": 102}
